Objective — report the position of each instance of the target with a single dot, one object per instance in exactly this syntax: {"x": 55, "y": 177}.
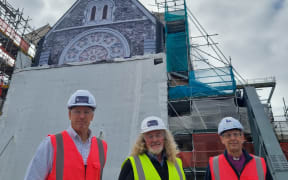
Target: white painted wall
{"x": 125, "y": 93}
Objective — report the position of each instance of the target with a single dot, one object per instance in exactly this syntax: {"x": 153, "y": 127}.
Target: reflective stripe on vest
{"x": 140, "y": 170}
{"x": 101, "y": 155}
{"x": 60, "y": 156}
{"x": 216, "y": 167}
{"x": 178, "y": 170}
{"x": 259, "y": 167}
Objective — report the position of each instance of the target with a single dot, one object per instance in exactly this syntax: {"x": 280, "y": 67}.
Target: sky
{"x": 252, "y": 33}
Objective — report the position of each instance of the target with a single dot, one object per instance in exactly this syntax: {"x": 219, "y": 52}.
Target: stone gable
{"x": 127, "y": 31}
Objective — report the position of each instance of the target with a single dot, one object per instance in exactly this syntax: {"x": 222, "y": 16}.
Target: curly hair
{"x": 169, "y": 146}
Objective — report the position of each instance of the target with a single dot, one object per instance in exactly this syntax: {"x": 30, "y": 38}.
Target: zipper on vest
{"x": 85, "y": 167}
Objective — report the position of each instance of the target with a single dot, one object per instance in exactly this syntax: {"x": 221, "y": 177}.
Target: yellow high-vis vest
{"x": 143, "y": 169}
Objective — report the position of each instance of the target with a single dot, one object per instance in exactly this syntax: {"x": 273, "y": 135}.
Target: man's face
{"x": 80, "y": 117}
{"x": 233, "y": 140}
{"x": 155, "y": 141}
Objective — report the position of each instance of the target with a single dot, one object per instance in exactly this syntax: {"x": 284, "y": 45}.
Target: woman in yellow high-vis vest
{"x": 153, "y": 156}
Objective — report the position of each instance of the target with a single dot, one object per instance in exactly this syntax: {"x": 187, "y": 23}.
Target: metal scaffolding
{"x": 13, "y": 39}
{"x": 203, "y": 86}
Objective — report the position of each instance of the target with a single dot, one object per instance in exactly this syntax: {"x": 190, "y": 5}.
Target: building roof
{"x": 37, "y": 34}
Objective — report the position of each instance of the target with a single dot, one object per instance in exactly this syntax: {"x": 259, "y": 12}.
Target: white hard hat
{"x": 81, "y": 98}
{"x": 229, "y": 123}
{"x": 152, "y": 123}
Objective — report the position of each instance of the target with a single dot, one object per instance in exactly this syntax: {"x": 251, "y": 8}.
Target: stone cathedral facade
{"x": 101, "y": 30}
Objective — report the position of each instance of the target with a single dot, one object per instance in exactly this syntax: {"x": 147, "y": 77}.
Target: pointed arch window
{"x": 105, "y": 11}
{"x": 93, "y": 13}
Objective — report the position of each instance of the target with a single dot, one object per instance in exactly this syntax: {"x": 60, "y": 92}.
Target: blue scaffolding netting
{"x": 177, "y": 52}
{"x": 206, "y": 82}
{"x": 177, "y": 41}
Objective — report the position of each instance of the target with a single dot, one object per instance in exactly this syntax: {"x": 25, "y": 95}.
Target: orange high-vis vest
{"x": 68, "y": 163}
{"x": 221, "y": 169}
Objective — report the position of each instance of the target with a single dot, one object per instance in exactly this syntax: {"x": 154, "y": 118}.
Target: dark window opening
{"x": 105, "y": 11}
{"x": 93, "y": 14}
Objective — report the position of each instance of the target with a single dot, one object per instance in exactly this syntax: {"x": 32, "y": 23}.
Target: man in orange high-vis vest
{"x": 73, "y": 154}
{"x": 235, "y": 163}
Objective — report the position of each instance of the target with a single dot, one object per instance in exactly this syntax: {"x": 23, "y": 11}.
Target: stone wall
{"x": 127, "y": 19}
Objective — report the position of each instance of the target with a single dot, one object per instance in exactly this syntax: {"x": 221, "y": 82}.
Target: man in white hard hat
{"x": 235, "y": 162}
{"x": 74, "y": 153}
{"x": 153, "y": 156}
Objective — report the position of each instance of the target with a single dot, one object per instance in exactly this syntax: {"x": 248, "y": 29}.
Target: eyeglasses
{"x": 229, "y": 135}
{"x": 78, "y": 112}
{"x": 157, "y": 135}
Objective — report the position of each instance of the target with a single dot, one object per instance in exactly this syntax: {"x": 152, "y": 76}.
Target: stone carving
{"x": 96, "y": 45}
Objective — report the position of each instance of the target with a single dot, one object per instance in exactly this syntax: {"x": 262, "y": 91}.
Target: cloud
{"x": 253, "y": 33}
{"x": 278, "y": 4}
{"x": 42, "y": 11}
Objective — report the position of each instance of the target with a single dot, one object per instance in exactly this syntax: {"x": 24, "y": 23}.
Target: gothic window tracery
{"x": 96, "y": 45}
